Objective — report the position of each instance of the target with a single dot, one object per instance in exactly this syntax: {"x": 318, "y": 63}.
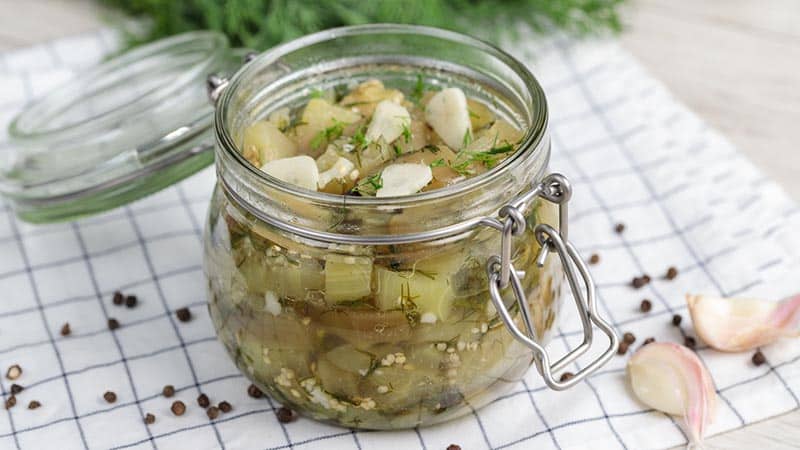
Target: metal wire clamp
{"x": 556, "y": 189}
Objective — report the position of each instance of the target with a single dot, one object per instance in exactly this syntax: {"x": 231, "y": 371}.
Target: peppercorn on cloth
{"x": 635, "y": 156}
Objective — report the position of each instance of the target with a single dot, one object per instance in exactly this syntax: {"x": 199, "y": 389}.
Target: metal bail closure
{"x": 554, "y": 188}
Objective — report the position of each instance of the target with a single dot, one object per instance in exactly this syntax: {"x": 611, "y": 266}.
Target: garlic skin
{"x": 672, "y": 379}
{"x": 738, "y": 324}
{"x": 447, "y": 113}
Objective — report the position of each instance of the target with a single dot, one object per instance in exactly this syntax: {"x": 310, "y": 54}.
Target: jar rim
{"x": 529, "y": 144}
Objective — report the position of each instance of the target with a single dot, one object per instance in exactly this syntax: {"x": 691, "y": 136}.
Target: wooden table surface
{"x": 735, "y": 62}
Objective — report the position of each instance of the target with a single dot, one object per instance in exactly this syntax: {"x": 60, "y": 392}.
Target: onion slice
{"x": 738, "y": 324}
{"x": 672, "y": 379}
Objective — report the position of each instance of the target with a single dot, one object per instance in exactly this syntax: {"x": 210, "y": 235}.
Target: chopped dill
{"x": 407, "y": 305}
{"x": 359, "y": 139}
{"x": 369, "y": 185}
{"x": 419, "y": 89}
{"x": 467, "y": 139}
{"x": 406, "y": 133}
{"x": 328, "y": 134}
{"x": 438, "y": 163}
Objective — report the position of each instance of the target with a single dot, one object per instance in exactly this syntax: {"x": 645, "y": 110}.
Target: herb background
{"x": 260, "y": 24}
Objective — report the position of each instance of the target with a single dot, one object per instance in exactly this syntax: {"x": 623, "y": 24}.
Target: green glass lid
{"x": 133, "y": 125}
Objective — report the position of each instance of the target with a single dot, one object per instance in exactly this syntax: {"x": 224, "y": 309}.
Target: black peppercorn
{"x": 676, "y": 320}
{"x": 672, "y": 272}
{"x": 759, "y": 358}
{"x": 66, "y": 330}
{"x": 113, "y": 324}
{"x": 110, "y": 397}
{"x": 168, "y": 391}
{"x": 203, "y": 401}
{"x": 212, "y": 412}
{"x": 184, "y": 314}
{"x": 225, "y": 407}
{"x": 566, "y": 376}
{"x": 619, "y": 228}
{"x": 178, "y": 408}
{"x": 131, "y": 301}
{"x": 16, "y": 389}
{"x": 690, "y": 342}
{"x": 149, "y": 419}
{"x": 594, "y": 259}
{"x": 118, "y": 298}
{"x": 623, "y": 348}
{"x": 638, "y": 282}
{"x": 34, "y": 404}
{"x": 645, "y": 306}
{"x": 649, "y": 340}
{"x": 285, "y": 415}
{"x": 254, "y": 391}
{"x": 628, "y": 338}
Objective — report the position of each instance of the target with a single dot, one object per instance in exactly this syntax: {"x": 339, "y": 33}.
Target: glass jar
{"x": 393, "y": 312}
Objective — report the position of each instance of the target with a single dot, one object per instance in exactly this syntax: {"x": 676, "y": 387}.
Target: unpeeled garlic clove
{"x": 737, "y": 324}
{"x": 671, "y": 378}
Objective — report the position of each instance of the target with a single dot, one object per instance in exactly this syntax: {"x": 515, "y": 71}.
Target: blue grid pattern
{"x": 634, "y": 156}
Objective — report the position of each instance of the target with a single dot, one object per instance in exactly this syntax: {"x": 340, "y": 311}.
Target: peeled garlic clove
{"x": 388, "y": 122}
{"x": 300, "y": 171}
{"x": 447, "y": 113}
{"x": 340, "y": 169}
{"x": 671, "y": 378}
{"x": 404, "y": 179}
{"x": 737, "y": 324}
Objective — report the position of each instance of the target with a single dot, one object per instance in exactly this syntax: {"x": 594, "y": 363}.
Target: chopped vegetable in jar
{"x": 378, "y": 141}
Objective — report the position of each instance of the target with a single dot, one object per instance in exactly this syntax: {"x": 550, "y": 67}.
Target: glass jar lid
{"x": 129, "y": 127}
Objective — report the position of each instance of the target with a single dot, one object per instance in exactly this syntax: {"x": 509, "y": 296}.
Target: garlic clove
{"x": 299, "y": 170}
{"x": 671, "y": 378}
{"x": 404, "y": 179}
{"x": 388, "y": 122}
{"x": 447, "y": 113}
{"x": 737, "y": 324}
{"x": 340, "y": 169}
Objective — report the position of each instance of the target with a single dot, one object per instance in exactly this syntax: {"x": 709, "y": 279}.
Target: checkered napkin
{"x": 635, "y": 156}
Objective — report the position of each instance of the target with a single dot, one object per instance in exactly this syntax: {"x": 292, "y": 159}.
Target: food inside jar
{"x": 377, "y": 337}
{"x": 375, "y": 140}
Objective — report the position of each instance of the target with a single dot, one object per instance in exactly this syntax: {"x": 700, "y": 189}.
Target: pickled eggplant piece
{"x": 373, "y": 127}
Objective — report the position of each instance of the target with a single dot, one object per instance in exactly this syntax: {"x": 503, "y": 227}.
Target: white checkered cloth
{"x": 635, "y": 156}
